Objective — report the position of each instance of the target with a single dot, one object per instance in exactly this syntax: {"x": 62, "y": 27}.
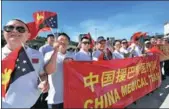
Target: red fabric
{"x": 138, "y": 35}
{"x": 101, "y": 57}
{"x": 76, "y": 93}
{"x": 8, "y": 65}
{"x": 35, "y": 60}
{"x": 33, "y": 30}
{"x": 41, "y": 16}
{"x": 156, "y": 50}
{"x": 92, "y": 41}
{"x": 45, "y": 29}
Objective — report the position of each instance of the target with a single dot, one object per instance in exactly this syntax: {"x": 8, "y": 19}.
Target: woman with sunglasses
{"x": 23, "y": 90}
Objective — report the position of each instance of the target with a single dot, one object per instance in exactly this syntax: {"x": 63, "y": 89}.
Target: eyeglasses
{"x": 86, "y": 42}
{"x": 10, "y": 28}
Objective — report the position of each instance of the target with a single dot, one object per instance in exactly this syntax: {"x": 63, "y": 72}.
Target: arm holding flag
{"x": 50, "y": 66}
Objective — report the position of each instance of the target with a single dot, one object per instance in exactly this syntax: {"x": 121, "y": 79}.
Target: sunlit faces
{"x": 165, "y": 41}
{"x": 153, "y": 41}
{"x": 16, "y": 32}
{"x": 50, "y": 40}
{"x": 124, "y": 44}
{"x": 159, "y": 41}
{"x": 101, "y": 45}
{"x": 85, "y": 44}
{"x": 117, "y": 45}
{"x": 64, "y": 42}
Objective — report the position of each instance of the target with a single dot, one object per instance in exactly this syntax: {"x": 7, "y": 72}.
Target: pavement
{"x": 158, "y": 99}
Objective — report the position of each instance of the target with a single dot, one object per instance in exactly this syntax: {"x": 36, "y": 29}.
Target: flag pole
{"x": 52, "y": 30}
{"x": 29, "y": 58}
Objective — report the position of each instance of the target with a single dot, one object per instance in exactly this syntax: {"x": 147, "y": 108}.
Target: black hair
{"x": 147, "y": 40}
{"x": 124, "y": 40}
{"x": 107, "y": 38}
{"x": 64, "y": 34}
{"x": 23, "y": 23}
{"x": 50, "y": 35}
{"x": 116, "y": 41}
{"x": 152, "y": 37}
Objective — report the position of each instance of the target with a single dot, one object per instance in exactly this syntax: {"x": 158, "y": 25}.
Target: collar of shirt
{"x": 6, "y": 50}
{"x": 62, "y": 54}
{"x": 117, "y": 51}
{"x": 81, "y": 50}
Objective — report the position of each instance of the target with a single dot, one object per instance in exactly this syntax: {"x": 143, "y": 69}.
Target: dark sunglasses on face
{"x": 86, "y": 43}
{"x": 124, "y": 42}
{"x": 10, "y": 28}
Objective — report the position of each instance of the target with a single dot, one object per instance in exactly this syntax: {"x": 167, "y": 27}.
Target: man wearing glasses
{"x": 84, "y": 54}
{"x": 23, "y": 90}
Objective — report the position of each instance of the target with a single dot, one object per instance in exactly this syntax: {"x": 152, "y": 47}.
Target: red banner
{"x": 110, "y": 84}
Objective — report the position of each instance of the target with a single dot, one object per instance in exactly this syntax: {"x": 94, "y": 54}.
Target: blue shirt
{"x": 45, "y": 48}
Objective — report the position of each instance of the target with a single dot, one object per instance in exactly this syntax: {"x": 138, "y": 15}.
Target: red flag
{"x": 156, "y": 50}
{"x": 8, "y": 65}
{"x": 137, "y": 35}
{"x": 92, "y": 41}
{"x": 40, "y": 18}
{"x": 33, "y": 30}
{"x": 45, "y": 29}
{"x": 101, "y": 57}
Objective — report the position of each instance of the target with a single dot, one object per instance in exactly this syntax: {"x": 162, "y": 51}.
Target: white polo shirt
{"x": 45, "y": 48}
{"x": 83, "y": 56}
{"x": 117, "y": 55}
{"x": 24, "y": 92}
{"x": 55, "y": 93}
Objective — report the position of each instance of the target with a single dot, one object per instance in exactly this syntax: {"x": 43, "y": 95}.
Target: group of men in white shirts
{"x": 55, "y": 93}
{"x": 120, "y": 50}
{"x": 53, "y": 54}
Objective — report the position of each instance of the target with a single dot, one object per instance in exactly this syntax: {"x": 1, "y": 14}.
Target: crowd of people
{"x": 53, "y": 54}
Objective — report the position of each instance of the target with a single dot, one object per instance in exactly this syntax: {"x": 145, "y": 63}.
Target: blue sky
{"x": 119, "y": 19}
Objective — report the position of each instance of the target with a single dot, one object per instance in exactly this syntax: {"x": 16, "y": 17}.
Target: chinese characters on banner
{"x": 110, "y": 84}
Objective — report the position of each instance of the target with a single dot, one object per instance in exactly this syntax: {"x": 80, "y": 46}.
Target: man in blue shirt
{"x": 49, "y": 46}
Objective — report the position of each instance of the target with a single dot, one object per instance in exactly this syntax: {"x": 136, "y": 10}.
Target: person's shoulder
{"x": 3, "y": 49}
{"x": 97, "y": 52}
{"x": 48, "y": 54}
{"x": 78, "y": 53}
{"x": 32, "y": 51}
{"x": 44, "y": 46}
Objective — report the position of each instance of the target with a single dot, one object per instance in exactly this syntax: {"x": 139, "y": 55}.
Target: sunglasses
{"x": 10, "y": 28}
{"x": 86, "y": 43}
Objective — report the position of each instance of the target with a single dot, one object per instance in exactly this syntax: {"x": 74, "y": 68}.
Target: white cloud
{"x": 122, "y": 25}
